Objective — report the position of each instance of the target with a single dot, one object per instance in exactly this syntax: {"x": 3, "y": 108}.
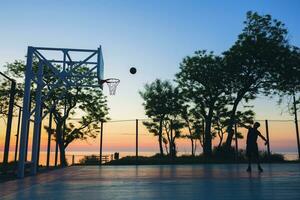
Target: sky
{"x": 153, "y": 36}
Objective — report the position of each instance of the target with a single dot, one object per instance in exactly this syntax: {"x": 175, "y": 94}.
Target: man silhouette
{"x": 252, "y": 147}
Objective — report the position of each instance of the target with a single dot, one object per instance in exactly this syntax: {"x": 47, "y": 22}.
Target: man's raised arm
{"x": 263, "y": 137}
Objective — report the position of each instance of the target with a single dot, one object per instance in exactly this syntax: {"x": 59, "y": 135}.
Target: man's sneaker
{"x": 249, "y": 169}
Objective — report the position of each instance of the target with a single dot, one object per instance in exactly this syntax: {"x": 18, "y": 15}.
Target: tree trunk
{"x": 221, "y": 139}
{"x": 231, "y": 123}
{"x": 195, "y": 146}
{"x": 173, "y": 149}
{"x": 192, "y": 143}
{"x": 63, "y": 160}
{"x": 192, "y": 140}
{"x": 207, "y": 148}
{"x": 160, "y": 138}
{"x": 166, "y": 147}
{"x": 61, "y": 145}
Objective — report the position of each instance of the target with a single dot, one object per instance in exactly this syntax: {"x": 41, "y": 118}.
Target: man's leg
{"x": 258, "y": 163}
{"x": 249, "y": 163}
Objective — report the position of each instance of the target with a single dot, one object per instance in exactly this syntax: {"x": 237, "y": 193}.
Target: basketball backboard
{"x": 100, "y": 68}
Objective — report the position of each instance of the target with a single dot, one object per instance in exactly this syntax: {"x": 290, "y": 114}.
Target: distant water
{"x": 290, "y": 155}
{"x": 79, "y": 155}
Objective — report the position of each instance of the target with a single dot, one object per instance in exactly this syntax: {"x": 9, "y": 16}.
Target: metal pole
{"x": 101, "y": 140}
{"x": 26, "y": 113}
{"x": 18, "y": 133}
{"x": 9, "y": 121}
{"x": 39, "y": 143}
{"x": 136, "y": 141}
{"x": 49, "y": 140}
{"x": 37, "y": 120}
{"x": 296, "y": 124}
{"x": 203, "y": 131}
{"x": 268, "y": 139}
{"x": 28, "y": 128}
{"x": 171, "y": 140}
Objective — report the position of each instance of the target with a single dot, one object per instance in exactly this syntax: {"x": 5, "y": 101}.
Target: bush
{"x": 263, "y": 156}
{"x": 223, "y": 153}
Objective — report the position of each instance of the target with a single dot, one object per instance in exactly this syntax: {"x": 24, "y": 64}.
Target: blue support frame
{"x": 67, "y": 76}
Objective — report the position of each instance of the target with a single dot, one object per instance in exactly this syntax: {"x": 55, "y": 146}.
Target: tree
{"x": 286, "y": 83}
{"x": 67, "y": 101}
{"x": 285, "y": 78}
{"x": 172, "y": 129}
{"x": 88, "y": 125}
{"x": 258, "y": 50}
{"x": 222, "y": 119}
{"x": 161, "y": 104}
{"x": 5, "y": 87}
{"x": 156, "y": 128}
{"x": 193, "y": 122}
{"x": 202, "y": 80}
{"x": 89, "y": 101}
{"x": 220, "y": 122}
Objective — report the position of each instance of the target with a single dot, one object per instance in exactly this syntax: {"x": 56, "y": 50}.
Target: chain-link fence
{"x": 131, "y": 138}
{"x": 124, "y": 137}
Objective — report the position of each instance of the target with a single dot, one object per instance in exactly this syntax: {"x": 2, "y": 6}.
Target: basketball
{"x": 132, "y": 70}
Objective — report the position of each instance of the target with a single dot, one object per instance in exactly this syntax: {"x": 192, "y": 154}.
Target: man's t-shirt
{"x": 252, "y": 136}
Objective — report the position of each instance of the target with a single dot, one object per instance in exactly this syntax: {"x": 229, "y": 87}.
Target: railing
{"x": 84, "y": 159}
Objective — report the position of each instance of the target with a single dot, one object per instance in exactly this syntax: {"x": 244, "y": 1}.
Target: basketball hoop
{"x": 112, "y": 84}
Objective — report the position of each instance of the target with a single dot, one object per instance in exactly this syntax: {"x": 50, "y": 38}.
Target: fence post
{"x": 18, "y": 133}
{"x": 73, "y": 159}
{"x": 101, "y": 143}
{"x": 56, "y": 152}
{"x": 268, "y": 139}
{"x": 171, "y": 140}
{"x": 9, "y": 121}
{"x": 236, "y": 142}
{"x": 136, "y": 141}
{"x": 296, "y": 124}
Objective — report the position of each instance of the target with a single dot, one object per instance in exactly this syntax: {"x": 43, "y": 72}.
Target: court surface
{"x": 278, "y": 181}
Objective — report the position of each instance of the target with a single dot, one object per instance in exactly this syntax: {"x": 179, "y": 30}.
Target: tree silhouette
{"x": 285, "y": 79}
{"x": 202, "y": 81}
{"x": 162, "y": 104}
{"x": 193, "y": 121}
{"x": 258, "y": 50}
